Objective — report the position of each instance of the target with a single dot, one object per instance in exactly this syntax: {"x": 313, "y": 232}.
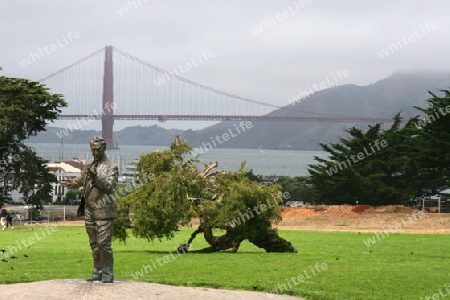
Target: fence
{"x": 50, "y": 213}
{"x": 439, "y": 204}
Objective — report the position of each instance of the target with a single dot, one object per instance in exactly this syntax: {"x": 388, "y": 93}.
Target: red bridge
{"x": 132, "y": 89}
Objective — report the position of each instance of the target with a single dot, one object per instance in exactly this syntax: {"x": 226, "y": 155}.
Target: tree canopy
{"x": 387, "y": 166}
{"x": 433, "y": 142}
{"x": 26, "y": 107}
{"x": 175, "y": 190}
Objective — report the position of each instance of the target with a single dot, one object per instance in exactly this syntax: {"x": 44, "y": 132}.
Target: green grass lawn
{"x": 334, "y": 265}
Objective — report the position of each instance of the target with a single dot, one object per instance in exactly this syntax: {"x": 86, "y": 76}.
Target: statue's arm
{"x": 75, "y": 183}
{"x": 78, "y": 182}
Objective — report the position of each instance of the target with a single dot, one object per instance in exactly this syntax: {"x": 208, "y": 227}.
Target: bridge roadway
{"x": 266, "y": 118}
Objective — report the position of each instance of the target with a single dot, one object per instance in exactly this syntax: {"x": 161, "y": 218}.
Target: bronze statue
{"x": 98, "y": 180}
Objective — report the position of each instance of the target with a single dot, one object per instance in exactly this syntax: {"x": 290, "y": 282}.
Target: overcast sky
{"x": 264, "y": 50}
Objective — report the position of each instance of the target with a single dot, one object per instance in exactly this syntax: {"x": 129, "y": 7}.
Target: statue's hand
{"x": 91, "y": 174}
{"x": 66, "y": 182}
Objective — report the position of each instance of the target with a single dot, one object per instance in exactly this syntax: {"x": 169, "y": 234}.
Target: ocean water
{"x": 261, "y": 161}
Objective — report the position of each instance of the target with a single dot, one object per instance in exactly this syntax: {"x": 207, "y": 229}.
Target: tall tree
{"x": 26, "y": 107}
{"x": 174, "y": 191}
{"x": 33, "y": 179}
{"x": 372, "y": 167}
{"x": 433, "y": 142}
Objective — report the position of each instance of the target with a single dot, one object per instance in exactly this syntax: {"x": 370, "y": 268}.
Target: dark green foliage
{"x": 25, "y": 109}
{"x": 73, "y": 195}
{"x": 33, "y": 179}
{"x": 434, "y": 140}
{"x": 371, "y": 167}
{"x": 299, "y": 189}
{"x": 252, "y": 176}
{"x": 414, "y": 162}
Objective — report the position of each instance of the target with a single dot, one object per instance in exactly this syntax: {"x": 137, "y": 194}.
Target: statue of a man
{"x": 98, "y": 180}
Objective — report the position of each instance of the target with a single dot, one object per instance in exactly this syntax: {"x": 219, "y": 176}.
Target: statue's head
{"x": 98, "y": 147}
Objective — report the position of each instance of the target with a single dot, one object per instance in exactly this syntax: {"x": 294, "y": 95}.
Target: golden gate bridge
{"x": 133, "y": 89}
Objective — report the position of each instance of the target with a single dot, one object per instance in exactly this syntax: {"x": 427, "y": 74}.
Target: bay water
{"x": 261, "y": 161}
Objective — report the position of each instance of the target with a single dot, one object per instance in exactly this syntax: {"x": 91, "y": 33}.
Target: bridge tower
{"x": 108, "y": 98}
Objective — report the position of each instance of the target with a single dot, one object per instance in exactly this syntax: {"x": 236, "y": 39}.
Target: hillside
{"x": 397, "y": 93}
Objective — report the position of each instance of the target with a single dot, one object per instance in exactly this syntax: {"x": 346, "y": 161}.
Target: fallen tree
{"x": 231, "y": 208}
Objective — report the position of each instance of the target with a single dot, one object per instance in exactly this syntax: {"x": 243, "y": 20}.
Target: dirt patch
{"x": 318, "y": 210}
{"x": 391, "y": 209}
{"x": 298, "y": 212}
{"x": 360, "y": 208}
{"x": 71, "y": 223}
{"x": 369, "y": 219}
{"x": 343, "y": 210}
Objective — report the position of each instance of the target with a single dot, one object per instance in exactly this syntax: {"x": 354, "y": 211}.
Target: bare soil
{"x": 372, "y": 219}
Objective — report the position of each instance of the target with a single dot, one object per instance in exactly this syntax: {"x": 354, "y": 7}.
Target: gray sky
{"x": 264, "y": 50}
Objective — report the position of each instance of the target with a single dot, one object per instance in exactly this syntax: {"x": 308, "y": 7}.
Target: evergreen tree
{"x": 432, "y": 144}
{"x": 33, "y": 179}
{"x": 26, "y": 107}
{"x": 373, "y": 167}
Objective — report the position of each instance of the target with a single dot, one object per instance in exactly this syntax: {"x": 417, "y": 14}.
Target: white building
{"x": 68, "y": 169}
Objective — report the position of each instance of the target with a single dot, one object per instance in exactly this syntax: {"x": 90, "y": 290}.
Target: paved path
{"x": 81, "y": 290}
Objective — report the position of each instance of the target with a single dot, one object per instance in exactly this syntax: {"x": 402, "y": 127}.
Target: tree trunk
{"x": 269, "y": 241}
{"x": 266, "y": 238}
{"x": 272, "y": 242}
